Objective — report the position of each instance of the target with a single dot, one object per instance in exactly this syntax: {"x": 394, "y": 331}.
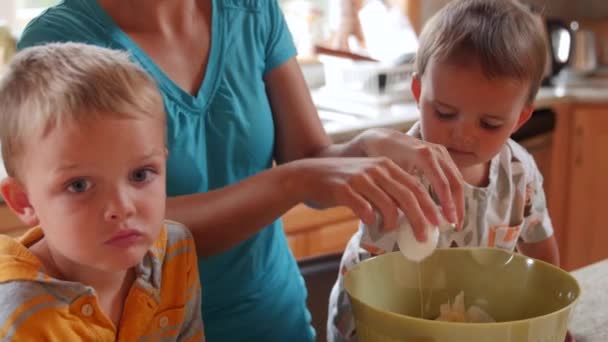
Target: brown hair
{"x": 51, "y": 85}
{"x": 503, "y": 36}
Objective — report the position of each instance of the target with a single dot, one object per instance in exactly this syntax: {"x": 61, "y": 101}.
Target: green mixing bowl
{"x": 530, "y": 300}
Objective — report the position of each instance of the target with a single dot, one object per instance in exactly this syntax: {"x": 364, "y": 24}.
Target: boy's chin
{"x": 122, "y": 261}
{"x": 464, "y": 161}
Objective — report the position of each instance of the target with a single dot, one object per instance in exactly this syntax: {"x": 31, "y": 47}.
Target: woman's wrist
{"x": 359, "y": 146}
{"x": 292, "y": 179}
{"x": 369, "y": 141}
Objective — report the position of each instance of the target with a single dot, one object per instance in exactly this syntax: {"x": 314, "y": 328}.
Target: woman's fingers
{"x": 368, "y": 186}
{"x": 421, "y": 158}
{"x": 410, "y": 206}
{"x": 456, "y": 185}
{"x": 348, "y": 197}
{"x": 414, "y": 200}
{"x": 388, "y": 188}
{"x": 429, "y": 161}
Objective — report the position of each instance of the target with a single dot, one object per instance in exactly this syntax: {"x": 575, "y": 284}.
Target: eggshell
{"x": 412, "y": 248}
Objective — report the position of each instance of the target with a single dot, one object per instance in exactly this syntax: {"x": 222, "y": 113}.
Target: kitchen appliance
{"x": 572, "y": 50}
{"x": 584, "y": 53}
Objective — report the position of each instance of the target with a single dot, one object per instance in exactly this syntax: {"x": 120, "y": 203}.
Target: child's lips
{"x": 124, "y": 238}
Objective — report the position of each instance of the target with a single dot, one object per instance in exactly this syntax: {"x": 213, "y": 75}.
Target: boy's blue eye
{"x": 79, "y": 186}
{"x": 141, "y": 175}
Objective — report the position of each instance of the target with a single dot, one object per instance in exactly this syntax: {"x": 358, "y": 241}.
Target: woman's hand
{"x": 365, "y": 185}
{"x": 384, "y": 183}
{"x": 421, "y": 158}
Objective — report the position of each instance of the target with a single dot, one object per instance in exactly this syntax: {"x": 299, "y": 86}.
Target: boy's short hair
{"x": 52, "y": 85}
{"x": 503, "y": 36}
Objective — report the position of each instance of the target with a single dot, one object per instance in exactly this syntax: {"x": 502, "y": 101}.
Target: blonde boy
{"x": 478, "y": 69}
{"x": 83, "y": 143}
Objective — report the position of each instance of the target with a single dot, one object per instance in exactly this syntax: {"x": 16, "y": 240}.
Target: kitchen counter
{"x": 399, "y": 116}
{"x": 551, "y": 95}
{"x": 589, "y": 321}
{"x": 402, "y": 116}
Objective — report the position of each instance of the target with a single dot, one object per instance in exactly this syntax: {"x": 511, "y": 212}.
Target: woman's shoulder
{"x": 69, "y": 21}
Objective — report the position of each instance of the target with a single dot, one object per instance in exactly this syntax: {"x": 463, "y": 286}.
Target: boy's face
{"x": 469, "y": 114}
{"x": 98, "y": 190}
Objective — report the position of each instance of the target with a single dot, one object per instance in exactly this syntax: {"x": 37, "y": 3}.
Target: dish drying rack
{"x": 364, "y": 88}
{"x": 365, "y": 76}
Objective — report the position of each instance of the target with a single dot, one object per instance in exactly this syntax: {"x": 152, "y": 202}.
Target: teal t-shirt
{"x": 253, "y": 292}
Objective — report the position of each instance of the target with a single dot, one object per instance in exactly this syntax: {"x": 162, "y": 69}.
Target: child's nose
{"x": 465, "y": 133}
{"x": 120, "y": 206}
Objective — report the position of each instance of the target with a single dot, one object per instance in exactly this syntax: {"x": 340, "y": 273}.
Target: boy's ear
{"x": 524, "y": 116}
{"x": 16, "y": 198}
{"x": 416, "y": 86}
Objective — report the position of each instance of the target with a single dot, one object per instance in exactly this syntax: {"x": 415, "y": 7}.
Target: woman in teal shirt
{"x": 236, "y": 101}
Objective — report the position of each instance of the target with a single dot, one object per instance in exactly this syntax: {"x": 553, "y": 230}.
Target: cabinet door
{"x": 587, "y": 222}
{"x": 540, "y": 149}
{"x": 298, "y": 243}
{"x": 332, "y": 238}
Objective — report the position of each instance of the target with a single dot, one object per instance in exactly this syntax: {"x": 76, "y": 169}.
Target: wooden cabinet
{"x": 540, "y": 148}
{"x": 584, "y": 186}
{"x": 313, "y": 232}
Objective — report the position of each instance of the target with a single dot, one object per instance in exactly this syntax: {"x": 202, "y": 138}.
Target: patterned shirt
{"x": 163, "y": 303}
{"x": 511, "y": 208}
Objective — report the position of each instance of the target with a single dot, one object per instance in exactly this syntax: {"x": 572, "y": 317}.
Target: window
{"x": 17, "y": 13}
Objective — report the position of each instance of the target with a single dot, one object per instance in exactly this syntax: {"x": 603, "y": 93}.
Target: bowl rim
{"x": 485, "y": 324}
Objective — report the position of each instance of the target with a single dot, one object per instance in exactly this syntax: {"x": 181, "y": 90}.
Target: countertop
{"x": 589, "y": 321}
{"x": 551, "y": 95}
{"x": 403, "y": 116}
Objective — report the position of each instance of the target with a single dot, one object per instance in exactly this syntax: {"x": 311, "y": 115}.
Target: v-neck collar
{"x": 168, "y": 86}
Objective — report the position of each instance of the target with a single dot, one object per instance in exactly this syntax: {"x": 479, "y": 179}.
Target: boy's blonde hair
{"x": 57, "y": 84}
{"x": 503, "y": 36}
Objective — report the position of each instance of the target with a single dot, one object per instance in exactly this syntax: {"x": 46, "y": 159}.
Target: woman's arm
{"x": 222, "y": 218}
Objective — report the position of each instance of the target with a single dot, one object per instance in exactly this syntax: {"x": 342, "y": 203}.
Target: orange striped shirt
{"x": 163, "y": 303}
